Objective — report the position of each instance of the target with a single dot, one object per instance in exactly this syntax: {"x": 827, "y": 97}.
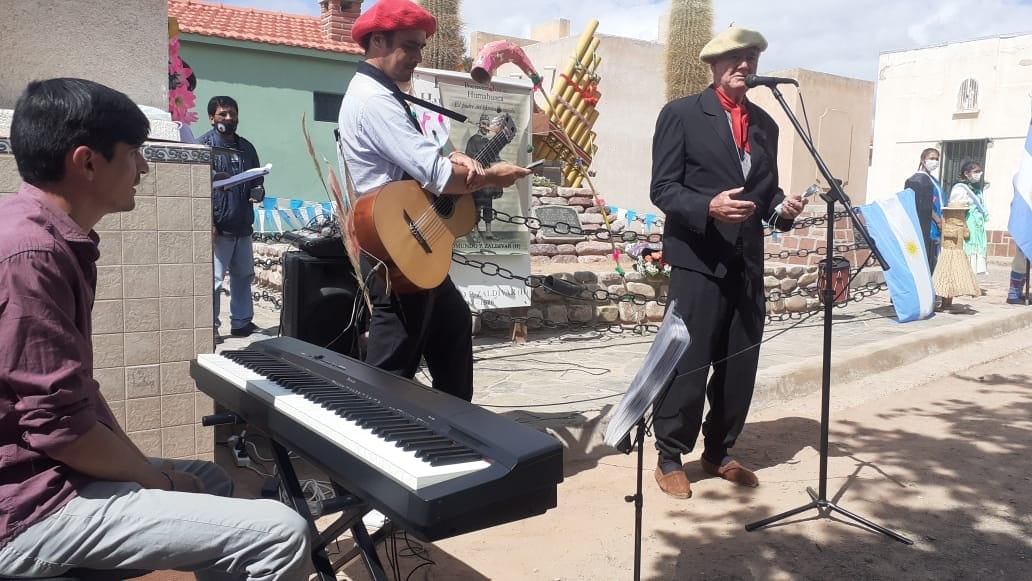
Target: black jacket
{"x": 694, "y": 158}
{"x": 232, "y": 213}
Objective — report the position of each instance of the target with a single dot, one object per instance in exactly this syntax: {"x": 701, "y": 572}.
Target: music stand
{"x": 819, "y": 499}
{"x": 648, "y": 386}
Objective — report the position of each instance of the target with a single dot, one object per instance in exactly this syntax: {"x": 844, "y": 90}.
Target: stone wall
{"x": 153, "y": 310}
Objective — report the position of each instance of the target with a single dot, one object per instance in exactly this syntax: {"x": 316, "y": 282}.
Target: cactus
{"x": 690, "y": 28}
{"x": 445, "y": 49}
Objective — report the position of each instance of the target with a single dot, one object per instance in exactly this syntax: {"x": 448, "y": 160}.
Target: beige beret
{"x": 731, "y": 39}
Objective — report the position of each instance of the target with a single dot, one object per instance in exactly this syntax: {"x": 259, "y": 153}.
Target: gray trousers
{"x": 112, "y": 525}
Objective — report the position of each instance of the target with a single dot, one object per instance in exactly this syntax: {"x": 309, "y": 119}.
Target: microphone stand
{"x": 819, "y": 499}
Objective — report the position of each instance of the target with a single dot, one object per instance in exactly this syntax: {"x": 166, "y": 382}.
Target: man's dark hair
{"x": 221, "y": 101}
{"x": 53, "y": 117}
{"x": 388, "y": 35}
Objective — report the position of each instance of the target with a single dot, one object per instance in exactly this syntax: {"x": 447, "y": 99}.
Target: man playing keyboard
{"x": 77, "y": 493}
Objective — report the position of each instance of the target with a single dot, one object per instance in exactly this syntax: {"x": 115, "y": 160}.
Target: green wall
{"x": 273, "y": 86}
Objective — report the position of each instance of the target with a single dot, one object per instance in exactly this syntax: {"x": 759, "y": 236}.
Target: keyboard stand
{"x": 353, "y": 510}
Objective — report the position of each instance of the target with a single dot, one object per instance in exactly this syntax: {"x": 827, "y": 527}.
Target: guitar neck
{"x": 493, "y": 147}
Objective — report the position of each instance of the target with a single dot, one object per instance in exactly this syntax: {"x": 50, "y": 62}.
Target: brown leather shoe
{"x": 674, "y": 483}
{"x": 732, "y": 472}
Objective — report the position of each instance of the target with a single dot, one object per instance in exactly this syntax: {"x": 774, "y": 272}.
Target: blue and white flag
{"x": 894, "y": 226}
{"x": 275, "y": 215}
{"x": 1020, "y": 222}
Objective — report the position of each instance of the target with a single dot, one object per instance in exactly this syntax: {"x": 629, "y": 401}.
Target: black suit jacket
{"x": 694, "y": 158}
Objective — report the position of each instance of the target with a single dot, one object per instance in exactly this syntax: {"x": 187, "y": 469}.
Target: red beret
{"x": 388, "y": 15}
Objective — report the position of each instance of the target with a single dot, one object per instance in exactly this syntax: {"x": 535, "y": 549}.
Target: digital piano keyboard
{"x": 436, "y": 465}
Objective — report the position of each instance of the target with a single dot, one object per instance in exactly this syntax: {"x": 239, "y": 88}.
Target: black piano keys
{"x": 406, "y": 432}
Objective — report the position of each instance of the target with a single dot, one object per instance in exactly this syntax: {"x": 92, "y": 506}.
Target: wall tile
{"x": 142, "y": 381}
{"x": 139, "y": 247}
{"x": 140, "y": 281}
{"x": 144, "y": 216}
{"x": 112, "y": 383}
{"x": 108, "y": 351}
{"x": 202, "y": 214}
{"x": 204, "y": 340}
{"x": 178, "y": 442}
{"x": 177, "y": 345}
{"x": 204, "y": 311}
{"x": 177, "y": 313}
{"x": 175, "y": 280}
{"x": 109, "y": 282}
{"x": 148, "y": 441}
{"x": 204, "y": 281}
{"x": 141, "y": 348}
{"x": 204, "y": 439}
{"x": 203, "y": 406}
{"x": 148, "y": 184}
{"x": 175, "y": 378}
{"x": 142, "y": 414}
{"x": 9, "y": 178}
{"x": 173, "y": 179}
{"x": 110, "y": 248}
{"x": 118, "y": 410}
{"x": 141, "y": 315}
{"x": 107, "y": 316}
{"x": 109, "y": 222}
{"x": 177, "y": 410}
{"x": 202, "y": 181}
{"x": 202, "y": 247}
{"x": 175, "y": 248}
{"x": 174, "y": 214}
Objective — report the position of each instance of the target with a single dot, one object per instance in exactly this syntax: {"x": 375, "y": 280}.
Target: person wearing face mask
{"x": 233, "y": 214}
{"x": 929, "y": 197}
{"x": 715, "y": 176}
{"x": 967, "y": 192}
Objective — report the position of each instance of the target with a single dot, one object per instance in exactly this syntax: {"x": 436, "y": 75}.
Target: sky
{"x": 841, "y": 37}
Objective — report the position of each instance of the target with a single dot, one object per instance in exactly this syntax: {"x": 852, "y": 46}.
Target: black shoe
{"x": 244, "y": 331}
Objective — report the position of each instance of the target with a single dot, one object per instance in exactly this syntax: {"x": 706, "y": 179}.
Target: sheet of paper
{"x": 244, "y": 176}
{"x": 655, "y": 374}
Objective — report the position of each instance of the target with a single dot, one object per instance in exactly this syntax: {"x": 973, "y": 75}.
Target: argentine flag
{"x": 893, "y": 225}
{"x": 1020, "y": 223}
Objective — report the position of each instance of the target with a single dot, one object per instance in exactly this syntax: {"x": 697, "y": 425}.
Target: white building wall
{"x": 916, "y": 107}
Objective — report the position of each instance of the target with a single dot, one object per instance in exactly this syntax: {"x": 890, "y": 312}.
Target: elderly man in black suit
{"x": 714, "y": 175}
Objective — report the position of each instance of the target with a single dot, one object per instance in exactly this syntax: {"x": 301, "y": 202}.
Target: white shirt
{"x": 381, "y": 144}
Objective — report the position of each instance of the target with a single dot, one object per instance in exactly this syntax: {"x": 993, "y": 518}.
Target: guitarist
{"x": 382, "y": 142}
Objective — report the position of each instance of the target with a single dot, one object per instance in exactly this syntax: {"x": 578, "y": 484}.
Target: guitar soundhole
{"x": 444, "y": 206}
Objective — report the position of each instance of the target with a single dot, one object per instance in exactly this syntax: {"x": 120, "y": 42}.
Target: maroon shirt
{"x": 48, "y": 397}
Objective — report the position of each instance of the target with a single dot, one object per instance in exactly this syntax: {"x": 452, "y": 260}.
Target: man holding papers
{"x": 233, "y": 214}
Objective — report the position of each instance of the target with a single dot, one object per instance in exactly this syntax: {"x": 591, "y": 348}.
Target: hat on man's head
{"x": 731, "y": 39}
{"x": 389, "y": 15}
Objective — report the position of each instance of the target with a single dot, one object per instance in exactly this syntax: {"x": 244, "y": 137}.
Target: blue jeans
{"x": 234, "y": 254}
{"x": 121, "y": 525}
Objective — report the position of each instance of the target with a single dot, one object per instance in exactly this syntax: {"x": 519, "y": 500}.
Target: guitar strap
{"x": 404, "y": 98}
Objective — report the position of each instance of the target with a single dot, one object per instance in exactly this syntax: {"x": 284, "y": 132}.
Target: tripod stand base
{"x": 825, "y": 508}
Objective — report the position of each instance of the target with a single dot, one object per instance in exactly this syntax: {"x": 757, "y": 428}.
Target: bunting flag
{"x": 893, "y": 224}
{"x": 276, "y": 215}
{"x": 1020, "y": 222}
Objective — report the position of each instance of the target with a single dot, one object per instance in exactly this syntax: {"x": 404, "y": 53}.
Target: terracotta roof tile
{"x": 217, "y": 19}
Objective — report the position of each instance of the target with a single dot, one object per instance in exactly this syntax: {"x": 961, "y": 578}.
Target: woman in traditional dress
{"x": 953, "y": 275}
{"x": 968, "y": 193}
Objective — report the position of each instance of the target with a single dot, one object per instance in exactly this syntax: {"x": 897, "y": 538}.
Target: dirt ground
{"x": 939, "y": 452}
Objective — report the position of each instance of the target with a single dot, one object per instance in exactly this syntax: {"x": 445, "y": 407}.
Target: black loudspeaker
{"x": 319, "y": 302}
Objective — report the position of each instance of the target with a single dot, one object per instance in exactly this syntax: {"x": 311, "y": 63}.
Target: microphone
{"x": 758, "y": 81}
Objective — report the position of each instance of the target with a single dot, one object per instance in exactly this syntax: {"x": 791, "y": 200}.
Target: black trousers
{"x": 435, "y": 325}
{"x": 724, "y": 319}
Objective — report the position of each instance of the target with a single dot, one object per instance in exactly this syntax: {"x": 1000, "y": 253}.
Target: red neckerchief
{"x": 739, "y": 119}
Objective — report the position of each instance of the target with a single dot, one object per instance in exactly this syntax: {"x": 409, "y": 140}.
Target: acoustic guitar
{"x": 412, "y": 231}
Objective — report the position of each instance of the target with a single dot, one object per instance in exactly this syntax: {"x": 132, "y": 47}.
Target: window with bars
{"x": 955, "y": 153}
